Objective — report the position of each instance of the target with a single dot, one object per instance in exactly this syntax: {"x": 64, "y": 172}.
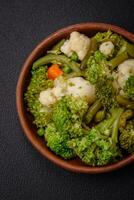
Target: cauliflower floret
{"x": 60, "y": 86}
{"x": 125, "y": 69}
{"x": 78, "y": 87}
{"x": 58, "y": 92}
{"x": 77, "y": 42}
{"x": 60, "y": 82}
{"x": 47, "y": 97}
{"x": 106, "y": 48}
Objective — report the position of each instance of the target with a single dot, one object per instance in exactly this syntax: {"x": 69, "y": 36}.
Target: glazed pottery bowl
{"x": 26, "y": 118}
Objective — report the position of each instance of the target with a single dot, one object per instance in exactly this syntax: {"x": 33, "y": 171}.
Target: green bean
{"x": 125, "y": 102}
{"x": 72, "y": 75}
{"x": 92, "y": 48}
{"x": 58, "y": 45}
{"x": 127, "y": 47}
{"x": 100, "y": 115}
{"x": 117, "y": 60}
{"x": 130, "y": 49}
{"x": 92, "y": 111}
{"x": 52, "y": 58}
{"x": 128, "y": 114}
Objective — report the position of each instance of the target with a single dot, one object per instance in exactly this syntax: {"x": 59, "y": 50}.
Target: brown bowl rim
{"x": 20, "y": 109}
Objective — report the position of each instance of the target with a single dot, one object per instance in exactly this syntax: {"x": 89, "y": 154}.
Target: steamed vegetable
{"x": 106, "y": 92}
{"x": 129, "y": 87}
{"x": 66, "y": 124}
{"x": 100, "y": 115}
{"x": 117, "y": 60}
{"x": 38, "y": 83}
{"x": 125, "y": 102}
{"x": 81, "y": 96}
{"x": 96, "y": 67}
{"x": 68, "y": 114}
{"x": 57, "y": 142}
{"x": 56, "y": 48}
{"x": 107, "y": 48}
{"x": 127, "y": 137}
{"x": 78, "y": 43}
{"x": 92, "y": 111}
{"x": 128, "y": 114}
{"x": 99, "y": 147}
{"x": 92, "y": 48}
{"x": 54, "y": 71}
{"x": 59, "y": 59}
{"x": 126, "y": 78}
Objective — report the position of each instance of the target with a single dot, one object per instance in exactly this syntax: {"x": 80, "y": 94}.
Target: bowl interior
{"x": 26, "y": 118}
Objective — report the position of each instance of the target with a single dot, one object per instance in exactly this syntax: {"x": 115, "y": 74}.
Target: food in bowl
{"x": 81, "y": 95}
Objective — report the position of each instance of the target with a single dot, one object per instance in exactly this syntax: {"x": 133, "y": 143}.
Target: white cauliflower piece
{"x": 77, "y": 42}
{"x": 60, "y": 82}
{"x": 79, "y": 87}
{"x": 106, "y": 48}
{"x": 125, "y": 70}
{"x": 47, "y": 98}
{"x": 60, "y": 86}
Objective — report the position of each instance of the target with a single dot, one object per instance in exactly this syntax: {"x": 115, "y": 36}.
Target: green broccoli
{"x": 126, "y": 138}
{"x": 38, "y": 83}
{"x": 96, "y": 67}
{"x": 129, "y": 87}
{"x": 99, "y": 147}
{"x": 42, "y": 116}
{"x": 68, "y": 114}
{"x": 126, "y": 115}
{"x": 116, "y": 39}
{"x": 106, "y": 92}
{"x": 103, "y": 36}
{"x": 57, "y": 142}
{"x": 66, "y": 124}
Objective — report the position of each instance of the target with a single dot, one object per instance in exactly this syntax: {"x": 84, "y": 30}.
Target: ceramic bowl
{"x": 26, "y": 118}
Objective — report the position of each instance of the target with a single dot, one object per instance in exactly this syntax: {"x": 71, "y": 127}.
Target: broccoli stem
{"x": 92, "y": 111}
{"x": 118, "y": 111}
{"x": 129, "y": 48}
{"x": 117, "y": 60}
{"x": 110, "y": 123}
{"x": 125, "y": 102}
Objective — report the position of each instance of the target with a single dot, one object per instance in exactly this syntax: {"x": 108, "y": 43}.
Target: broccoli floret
{"x": 38, "y": 83}
{"x": 117, "y": 40}
{"x": 129, "y": 87}
{"x": 103, "y": 36}
{"x": 99, "y": 147}
{"x": 42, "y": 116}
{"x": 96, "y": 67}
{"x": 106, "y": 92}
{"x": 67, "y": 115}
{"x": 66, "y": 124}
{"x": 127, "y": 137}
{"x": 57, "y": 142}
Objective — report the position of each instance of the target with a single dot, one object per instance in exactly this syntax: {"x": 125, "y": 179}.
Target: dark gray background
{"x": 24, "y": 173}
